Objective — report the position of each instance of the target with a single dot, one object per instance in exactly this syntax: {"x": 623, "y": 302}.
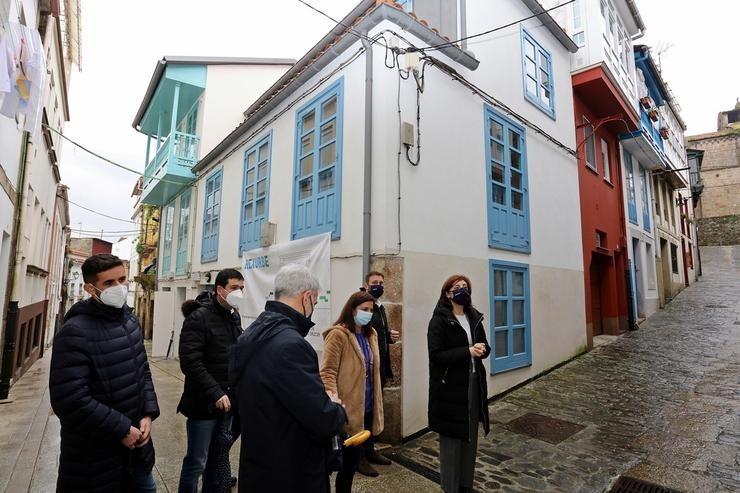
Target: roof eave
{"x": 153, "y": 83}
{"x": 551, "y": 25}
{"x": 191, "y": 60}
{"x": 334, "y": 43}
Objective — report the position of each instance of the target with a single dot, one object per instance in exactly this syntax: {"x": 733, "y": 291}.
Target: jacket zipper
{"x": 445, "y": 374}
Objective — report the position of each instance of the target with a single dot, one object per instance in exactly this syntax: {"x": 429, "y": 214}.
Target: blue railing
{"x": 178, "y": 153}
{"x": 650, "y": 130}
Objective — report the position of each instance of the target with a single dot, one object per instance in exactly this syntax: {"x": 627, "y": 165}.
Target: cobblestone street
{"x": 660, "y": 404}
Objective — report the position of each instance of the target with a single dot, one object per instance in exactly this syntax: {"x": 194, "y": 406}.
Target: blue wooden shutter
{"x": 169, "y": 219}
{"x": 255, "y": 193}
{"x": 645, "y": 204}
{"x": 511, "y": 337}
{"x": 506, "y": 172}
{"x": 317, "y": 181}
{"x": 211, "y": 217}
{"x": 631, "y": 205}
{"x": 182, "y": 233}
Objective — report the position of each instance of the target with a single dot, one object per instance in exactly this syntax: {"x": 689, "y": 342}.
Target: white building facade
{"x": 482, "y": 182}
{"x": 191, "y": 102}
{"x": 32, "y": 250}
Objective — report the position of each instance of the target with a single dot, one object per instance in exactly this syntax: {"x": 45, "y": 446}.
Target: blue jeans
{"x": 208, "y": 448}
{"x": 143, "y": 480}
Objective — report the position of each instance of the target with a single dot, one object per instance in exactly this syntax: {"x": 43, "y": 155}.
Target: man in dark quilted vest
{"x": 101, "y": 389}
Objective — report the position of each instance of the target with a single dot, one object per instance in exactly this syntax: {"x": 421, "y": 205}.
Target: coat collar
{"x": 444, "y": 311}
{"x": 352, "y": 339}
{"x": 301, "y": 323}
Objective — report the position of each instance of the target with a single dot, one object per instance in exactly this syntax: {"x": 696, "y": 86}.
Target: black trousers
{"x": 351, "y": 457}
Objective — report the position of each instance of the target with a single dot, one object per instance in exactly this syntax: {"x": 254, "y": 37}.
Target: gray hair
{"x": 293, "y": 279}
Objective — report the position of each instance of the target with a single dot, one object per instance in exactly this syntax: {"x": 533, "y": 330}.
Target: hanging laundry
{"x": 36, "y": 76}
{"x": 7, "y": 65}
{"x": 11, "y": 104}
{"x": 7, "y": 70}
{"x": 22, "y": 75}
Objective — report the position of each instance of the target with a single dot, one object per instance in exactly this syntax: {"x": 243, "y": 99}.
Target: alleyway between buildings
{"x": 660, "y": 404}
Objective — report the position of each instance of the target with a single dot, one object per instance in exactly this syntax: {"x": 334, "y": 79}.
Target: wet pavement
{"x": 29, "y": 438}
{"x": 660, "y": 404}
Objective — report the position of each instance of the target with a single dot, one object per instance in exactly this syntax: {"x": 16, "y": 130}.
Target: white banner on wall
{"x": 260, "y": 266}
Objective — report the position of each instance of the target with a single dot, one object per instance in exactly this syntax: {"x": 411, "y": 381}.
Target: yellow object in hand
{"x": 357, "y": 439}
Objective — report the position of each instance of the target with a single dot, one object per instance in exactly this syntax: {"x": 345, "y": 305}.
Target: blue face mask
{"x": 363, "y": 318}
{"x": 461, "y": 296}
{"x": 375, "y": 290}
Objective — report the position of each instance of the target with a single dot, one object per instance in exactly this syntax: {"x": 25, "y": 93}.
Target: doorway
{"x": 638, "y": 276}
{"x": 665, "y": 264}
{"x": 597, "y": 278}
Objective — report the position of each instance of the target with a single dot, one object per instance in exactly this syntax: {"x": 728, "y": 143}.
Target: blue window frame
{"x": 645, "y": 204}
{"x": 182, "y": 233}
{"x": 255, "y": 193}
{"x": 408, "y": 5}
{"x": 631, "y": 204}
{"x": 506, "y": 173}
{"x": 169, "y": 219}
{"x": 589, "y": 144}
{"x": 211, "y": 217}
{"x": 318, "y": 165}
{"x": 537, "y": 74}
{"x": 511, "y": 327}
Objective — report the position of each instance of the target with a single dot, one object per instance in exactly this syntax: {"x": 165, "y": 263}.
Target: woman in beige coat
{"x": 351, "y": 368}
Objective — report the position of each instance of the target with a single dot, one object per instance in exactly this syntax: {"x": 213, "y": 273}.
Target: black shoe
{"x": 232, "y": 482}
{"x": 366, "y": 469}
{"x": 374, "y": 457}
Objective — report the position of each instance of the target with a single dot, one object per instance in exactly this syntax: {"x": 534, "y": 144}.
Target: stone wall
{"x": 720, "y": 173}
{"x": 719, "y": 231}
{"x": 392, "y": 269}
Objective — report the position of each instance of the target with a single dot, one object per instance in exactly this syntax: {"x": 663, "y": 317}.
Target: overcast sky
{"x": 121, "y": 44}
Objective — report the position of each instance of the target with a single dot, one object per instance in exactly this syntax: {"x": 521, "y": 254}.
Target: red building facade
{"x": 601, "y": 114}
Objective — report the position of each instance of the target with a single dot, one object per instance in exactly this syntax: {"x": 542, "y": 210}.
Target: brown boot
{"x": 366, "y": 469}
{"x": 374, "y": 457}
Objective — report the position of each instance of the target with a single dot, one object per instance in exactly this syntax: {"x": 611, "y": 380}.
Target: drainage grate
{"x": 626, "y": 484}
{"x": 545, "y": 428}
{"x": 716, "y": 306}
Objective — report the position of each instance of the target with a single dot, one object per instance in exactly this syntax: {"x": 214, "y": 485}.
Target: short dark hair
{"x": 346, "y": 317}
{"x": 443, "y": 300}
{"x": 371, "y": 274}
{"x": 222, "y": 278}
{"x": 95, "y": 264}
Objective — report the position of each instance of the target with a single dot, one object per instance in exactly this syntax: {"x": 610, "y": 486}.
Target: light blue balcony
{"x": 646, "y": 144}
{"x": 169, "y": 170}
{"x": 168, "y": 117}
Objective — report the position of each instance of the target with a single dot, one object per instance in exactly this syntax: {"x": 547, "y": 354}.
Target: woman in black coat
{"x": 457, "y": 382}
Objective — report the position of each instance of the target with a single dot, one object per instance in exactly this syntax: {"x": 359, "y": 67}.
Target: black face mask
{"x": 375, "y": 290}
{"x": 308, "y": 317}
{"x": 461, "y": 296}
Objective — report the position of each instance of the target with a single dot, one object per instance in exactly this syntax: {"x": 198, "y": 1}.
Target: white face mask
{"x": 114, "y": 296}
{"x": 235, "y": 298}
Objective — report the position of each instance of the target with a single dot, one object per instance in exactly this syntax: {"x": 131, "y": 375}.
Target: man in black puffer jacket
{"x": 212, "y": 325}
{"x": 101, "y": 389}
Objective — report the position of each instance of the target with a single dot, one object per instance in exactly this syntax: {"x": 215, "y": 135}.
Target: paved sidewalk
{"x": 661, "y": 404}
{"x": 29, "y": 438}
